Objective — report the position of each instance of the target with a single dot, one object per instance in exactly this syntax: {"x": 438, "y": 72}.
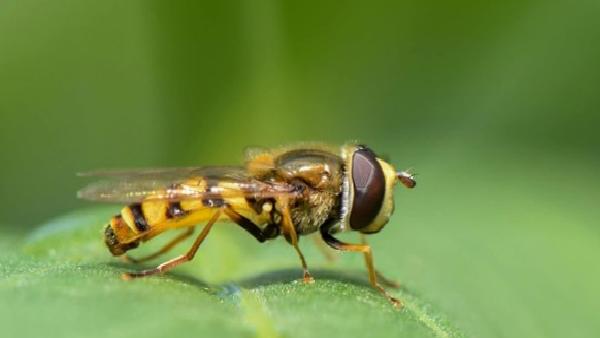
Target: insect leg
{"x": 245, "y": 223}
{"x": 384, "y": 280}
{"x": 168, "y": 265}
{"x": 166, "y": 248}
{"x": 289, "y": 231}
{"x": 367, "y": 252}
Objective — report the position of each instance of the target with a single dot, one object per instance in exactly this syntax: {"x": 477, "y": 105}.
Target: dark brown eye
{"x": 369, "y": 188}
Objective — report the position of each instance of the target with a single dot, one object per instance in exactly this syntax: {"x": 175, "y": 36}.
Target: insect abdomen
{"x": 139, "y": 222}
{"x": 119, "y": 237}
{"x": 123, "y": 232}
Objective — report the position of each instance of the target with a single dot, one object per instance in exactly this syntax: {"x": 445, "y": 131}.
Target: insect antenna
{"x": 407, "y": 177}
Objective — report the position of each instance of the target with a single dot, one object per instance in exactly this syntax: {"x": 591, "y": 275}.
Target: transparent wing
{"x": 128, "y": 186}
{"x": 168, "y": 172}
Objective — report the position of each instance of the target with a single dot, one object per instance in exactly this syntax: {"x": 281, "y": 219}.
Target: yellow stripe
{"x": 191, "y": 205}
{"x": 121, "y": 229}
{"x": 129, "y": 219}
{"x": 154, "y": 211}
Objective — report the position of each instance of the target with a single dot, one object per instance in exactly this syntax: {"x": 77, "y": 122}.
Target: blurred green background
{"x": 495, "y": 104}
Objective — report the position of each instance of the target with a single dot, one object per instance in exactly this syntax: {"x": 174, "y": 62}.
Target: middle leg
{"x": 166, "y": 248}
{"x": 255, "y": 231}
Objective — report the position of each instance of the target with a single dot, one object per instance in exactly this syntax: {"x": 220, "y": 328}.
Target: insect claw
{"x": 396, "y": 302}
{"x": 126, "y": 276}
{"x": 308, "y": 279}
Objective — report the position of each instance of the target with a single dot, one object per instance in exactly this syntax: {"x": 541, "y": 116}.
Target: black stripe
{"x": 215, "y": 202}
{"x": 174, "y": 210}
{"x": 138, "y": 217}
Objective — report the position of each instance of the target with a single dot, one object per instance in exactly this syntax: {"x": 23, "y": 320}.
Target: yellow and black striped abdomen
{"x": 140, "y": 222}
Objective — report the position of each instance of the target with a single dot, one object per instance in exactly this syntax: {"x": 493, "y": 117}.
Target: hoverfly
{"x": 286, "y": 192}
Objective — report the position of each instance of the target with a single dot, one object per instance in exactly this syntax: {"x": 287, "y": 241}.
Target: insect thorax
{"x": 319, "y": 174}
{"x": 310, "y": 214}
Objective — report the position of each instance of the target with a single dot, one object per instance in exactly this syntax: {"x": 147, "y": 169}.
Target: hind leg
{"x": 166, "y": 248}
{"x": 170, "y": 264}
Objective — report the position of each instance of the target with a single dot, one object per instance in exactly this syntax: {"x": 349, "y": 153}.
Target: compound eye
{"x": 369, "y": 188}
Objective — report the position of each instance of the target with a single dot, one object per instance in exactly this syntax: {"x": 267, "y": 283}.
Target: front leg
{"x": 380, "y": 277}
{"x": 368, "y": 254}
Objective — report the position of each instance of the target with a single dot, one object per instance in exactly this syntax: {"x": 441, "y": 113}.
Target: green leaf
{"x": 495, "y": 260}
{"x": 62, "y": 280}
